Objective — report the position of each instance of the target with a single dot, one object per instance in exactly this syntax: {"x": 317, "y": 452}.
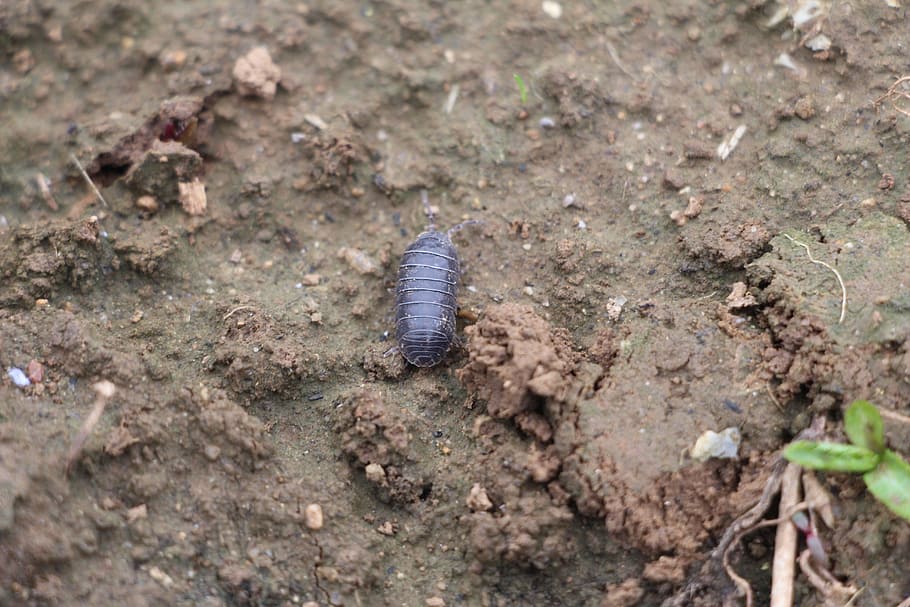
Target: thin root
{"x": 88, "y": 179}
{"x": 776, "y": 402}
{"x": 235, "y": 310}
{"x": 892, "y": 94}
{"x": 898, "y": 418}
{"x": 840, "y": 281}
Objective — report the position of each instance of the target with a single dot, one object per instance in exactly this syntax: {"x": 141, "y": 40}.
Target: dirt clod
{"x": 256, "y": 75}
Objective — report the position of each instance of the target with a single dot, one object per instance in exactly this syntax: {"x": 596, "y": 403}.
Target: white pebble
{"x": 551, "y": 8}
{"x": 547, "y": 123}
{"x": 18, "y": 376}
{"x": 313, "y": 517}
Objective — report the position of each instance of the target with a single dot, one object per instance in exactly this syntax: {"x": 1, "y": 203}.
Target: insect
{"x": 426, "y": 295}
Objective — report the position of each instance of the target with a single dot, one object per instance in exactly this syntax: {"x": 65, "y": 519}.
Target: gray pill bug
{"x": 426, "y": 295}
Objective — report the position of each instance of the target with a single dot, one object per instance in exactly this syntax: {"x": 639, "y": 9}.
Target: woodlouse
{"x": 426, "y": 295}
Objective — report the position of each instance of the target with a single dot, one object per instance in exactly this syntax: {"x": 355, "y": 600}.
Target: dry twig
{"x": 105, "y": 391}
{"x": 843, "y": 302}
{"x": 784, "y": 564}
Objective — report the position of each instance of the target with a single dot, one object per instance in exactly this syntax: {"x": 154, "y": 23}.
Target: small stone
{"x": 172, "y": 60}
{"x": 313, "y": 517}
{"x": 375, "y": 473}
{"x": 740, "y": 297}
{"x": 212, "y": 452}
{"x": 19, "y": 378}
{"x": 359, "y": 261}
{"x": 192, "y": 197}
{"x": 35, "y": 371}
{"x": 310, "y": 280}
{"x": 478, "y": 500}
{"x": 137, "y": 513}
{"x": 552, "y": 9}
{"x": 387, "y": 528}
{"x": 886, "y": 182}
{"x": 41, "y": 303}
{"x": 693, "y": 33}
{"x": 23, "y": 61}
{"x": 868, "y": 203}
{"x": 137, "y": 316}
{"x": 435, "y": 601}
{"x": 161, "y": 577}
{"x": 147, "y": 204}
{"x": 804, "y": 108}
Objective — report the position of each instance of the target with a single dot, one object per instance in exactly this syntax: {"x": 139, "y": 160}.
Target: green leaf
{"x": 836, "y": 457}
{"x": 890, "y": 483}
{"x": 522, "y": 89}
{"x": 863, "y": 425}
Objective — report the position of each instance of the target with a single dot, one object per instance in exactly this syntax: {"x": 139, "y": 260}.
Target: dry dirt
{"x": 261, "y": 166}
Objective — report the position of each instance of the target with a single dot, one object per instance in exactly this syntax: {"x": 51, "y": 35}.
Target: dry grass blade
{"x": 105, "y": 391}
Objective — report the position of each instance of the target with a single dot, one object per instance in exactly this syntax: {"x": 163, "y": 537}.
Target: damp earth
{"x": 205, "y": 205}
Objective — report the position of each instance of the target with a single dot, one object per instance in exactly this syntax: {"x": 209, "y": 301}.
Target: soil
{"x": 261, "y": 169}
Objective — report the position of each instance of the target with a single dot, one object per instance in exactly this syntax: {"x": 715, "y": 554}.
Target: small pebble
{"x": 312, "y": 517}
{"x": 161, "y": 577}
{"x": 551, "y": 8}
{"x": 310, "y": 280}
{"x": 18, "y": 377}
{"x": 359, "y": 261}
{"x": 375, "y": 473}
{"x": 212, "y": 452}
{"x": 35, "y": 371}
{"x": 547, "y": 123}
{"x": 436, "y": 601}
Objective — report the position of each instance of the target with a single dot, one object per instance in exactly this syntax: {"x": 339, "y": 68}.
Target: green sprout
{"x": 886, "y": 474}
{"x": 522, "y": 89}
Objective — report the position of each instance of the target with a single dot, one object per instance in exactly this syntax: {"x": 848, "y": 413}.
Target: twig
{"x": 776, "y": 402}
{"x": 743, "y": 585}
{"x": 784, "y": 564}
{"x": 88, "y": 179}
{"x": 843, "y": 301}
{"x": 105, "y": 391}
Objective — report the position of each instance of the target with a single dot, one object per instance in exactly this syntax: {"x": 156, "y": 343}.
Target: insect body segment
{"x": 426, "y": 299}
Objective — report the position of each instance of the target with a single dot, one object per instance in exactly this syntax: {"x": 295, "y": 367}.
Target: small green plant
{"x": 522, "y": 89}
{"x": 885, "y": 472}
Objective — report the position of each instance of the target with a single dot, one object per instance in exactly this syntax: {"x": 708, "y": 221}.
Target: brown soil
{"x": 261, "y": 169}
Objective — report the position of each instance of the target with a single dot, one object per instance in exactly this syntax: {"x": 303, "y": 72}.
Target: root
{"x": 893, "y": 95}
{"x": 840, "y": 281}
{"x": 105, "y": 391}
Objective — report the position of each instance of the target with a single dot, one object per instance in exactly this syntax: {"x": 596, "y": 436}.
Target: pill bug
{"x": 426, "y": 294}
